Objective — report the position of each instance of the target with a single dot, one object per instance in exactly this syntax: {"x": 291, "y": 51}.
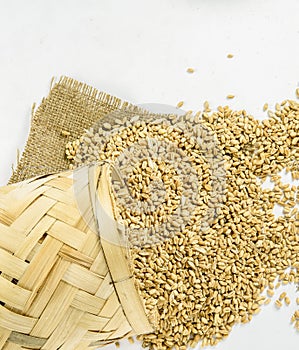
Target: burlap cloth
{"x": 71, "y": 106}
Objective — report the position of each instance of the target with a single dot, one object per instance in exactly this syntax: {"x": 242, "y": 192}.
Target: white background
{"x": 139, "y": 51}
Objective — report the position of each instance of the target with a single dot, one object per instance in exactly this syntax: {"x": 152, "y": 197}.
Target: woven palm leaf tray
{"x": 63, "y": 285}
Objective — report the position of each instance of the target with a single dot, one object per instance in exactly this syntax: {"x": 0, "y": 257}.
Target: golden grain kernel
{"x": 265, "y": 107}
{"x": 267, "y": 301}
{"x": 256, "y": 311}
{"x": 297, "y": 92}
{"x": 230, "y": 55}
{"x": 230, "y": 96}
{"x": 278, "y": 303}
{"x": 206, "y": 106}
{"x": 190, "y": 70}
{"x": 287, "y": 300}
{"x": 65, "y": 133}
{"x": 282, "y": 295}
{"x": 131, "y": 340}
{"x": 117, "y": 344}
{"x": 180, "y": 104}
{"x": 270, "y": 292}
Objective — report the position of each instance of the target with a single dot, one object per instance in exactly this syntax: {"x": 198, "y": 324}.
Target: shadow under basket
{"x": 65, "y": 281}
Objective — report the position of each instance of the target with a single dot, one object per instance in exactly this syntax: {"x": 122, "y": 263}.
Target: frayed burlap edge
{"x": 70, "y": 108}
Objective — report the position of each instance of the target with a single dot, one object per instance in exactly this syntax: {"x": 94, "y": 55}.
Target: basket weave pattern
{"x": 59, "y": 282}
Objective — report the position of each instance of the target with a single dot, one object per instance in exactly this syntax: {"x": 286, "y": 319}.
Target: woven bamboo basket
{"x": 63, "y": 285}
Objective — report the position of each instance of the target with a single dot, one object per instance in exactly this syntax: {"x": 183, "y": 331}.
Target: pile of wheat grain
{"x": 198, "y": 283}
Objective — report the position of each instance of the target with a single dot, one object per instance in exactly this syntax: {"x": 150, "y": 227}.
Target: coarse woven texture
{"x": 70, "y": 107}
{"x": 62, "y": 285}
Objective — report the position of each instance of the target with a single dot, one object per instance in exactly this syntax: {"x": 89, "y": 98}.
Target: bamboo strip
{"x": 110, "y": 307}
{"x": 13, "y": 295}
{"x": 9, "y": 239}
{"x": 66, "y": 326}
{"x": 20, "y": 199}
{"x": 54, "y": 311}
{"x": 4, "y": 335}
{"x": 88, "y": 303}
{"x": 99, "y": 264}
{"x": 106, "y": 288}
{"x": 116, "y": 257}
{"x": 65, "y": 213}
{"x": 122, "y": 331}
{"x": 48, "y": 288}
{"x": 61, "y": 183}
{"x": 92, "y": 245}
{"x": 31, "y": 240}
{"x": 60, "y": 196}
{"x": 114, "y": 322}
{"x": 82, "y": 278}
{"x": 15, "y": 322}
{"x": 72, "y": 255}
{"x": 95, "y": 336}
{"x": 12, "y": 265}
{"x": 67, "y": 234}
{"x": 76, "y": 340}
{"x": 28, "y": 219}
{"x": 12, "y": 346}
{"x": 26, "y": 340}
{"x": 94, "y": 322}
{"x": 41, "y": 264}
